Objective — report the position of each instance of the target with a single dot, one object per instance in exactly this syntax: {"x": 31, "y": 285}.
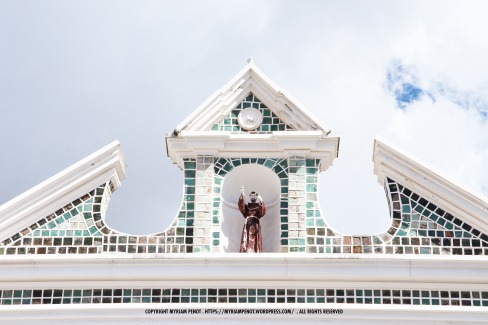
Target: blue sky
{"x": 404, "y": 86}
{"x": 407, "y": 88}
{"x": 76, "y": 75}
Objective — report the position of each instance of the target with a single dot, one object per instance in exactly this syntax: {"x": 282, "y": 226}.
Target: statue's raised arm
{"x": 242, "y": 202}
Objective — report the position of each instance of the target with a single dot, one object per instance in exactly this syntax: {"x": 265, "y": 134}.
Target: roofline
{"x": 217, "y": 93}
{"x": 106, "y": 164}
{"x": 290, "y": 98}
{"x": 389, "y": 161}
{"x": 233, "y": 89}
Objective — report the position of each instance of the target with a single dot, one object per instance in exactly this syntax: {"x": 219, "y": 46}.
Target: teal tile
{"x": 311, "y": 188}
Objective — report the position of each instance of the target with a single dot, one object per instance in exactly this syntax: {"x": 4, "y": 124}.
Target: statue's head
{"x": 253, "y": 195}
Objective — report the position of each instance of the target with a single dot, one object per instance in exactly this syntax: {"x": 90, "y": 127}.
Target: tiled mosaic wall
{"x": 78, "y": 228}
{"x": 310, "y": 234}
{"x": 203, "y": 226}
{"x": 418, "y": 226}
{"x": 358, "y": 296}
{"x": 271, "y": 122}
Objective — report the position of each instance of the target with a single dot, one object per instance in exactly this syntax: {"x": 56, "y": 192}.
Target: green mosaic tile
{"x": 270, "y": 121}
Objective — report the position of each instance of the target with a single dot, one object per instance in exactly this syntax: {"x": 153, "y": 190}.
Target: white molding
{"x": 106, "y": 164}
{"x": 391, "y": 162}
{"x": 233, "y": 269}
{"x": 279, "y": 144}
{"x": 251, "y": 79}
{"x": 193, "y": 137}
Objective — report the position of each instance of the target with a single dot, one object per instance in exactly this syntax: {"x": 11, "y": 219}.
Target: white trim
{"x": 279, "y": 144}
{"x": 193, "y": 137}
{"x": 391, "y": 162}
{"x": 250, "y": 79}
{"x": 468, "y": 273}
{"x": 233, "y": 269}
{"x": 106, "y": 164}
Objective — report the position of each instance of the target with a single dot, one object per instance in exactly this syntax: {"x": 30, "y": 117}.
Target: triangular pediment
{"x": 251, "y": 88}
{"x": 252, "y": 117}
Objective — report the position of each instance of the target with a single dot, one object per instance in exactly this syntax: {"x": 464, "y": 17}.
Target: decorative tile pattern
{"x": 70, "y": 230}
{"x": 203, "y": 229}
{"x": 418, "y": 226}
{"x": 319, "y": 237}
{"x": 296, "y": 204}
{"x": 79, "y": 228}
{"x": 358, "y": 296}
{"x": 271, "y": 122}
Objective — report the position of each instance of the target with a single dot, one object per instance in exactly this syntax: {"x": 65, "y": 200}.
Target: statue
{"x": 251, "y": 240}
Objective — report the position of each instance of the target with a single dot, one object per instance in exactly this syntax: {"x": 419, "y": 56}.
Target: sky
{"x": 77, "y": 75}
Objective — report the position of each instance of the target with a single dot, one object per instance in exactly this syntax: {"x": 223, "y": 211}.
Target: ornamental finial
{"x": 250, "y": 60}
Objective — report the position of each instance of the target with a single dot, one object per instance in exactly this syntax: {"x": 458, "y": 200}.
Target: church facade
{"x": 59, "y": 260}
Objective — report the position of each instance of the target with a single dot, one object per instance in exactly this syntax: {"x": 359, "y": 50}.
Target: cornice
{"x": 106, "y": 164}
{"x": 278, "y": 144}
{"x": 391, "y": 162}
{"x": 347, "y": 270}
{"x": 250, "y": 79}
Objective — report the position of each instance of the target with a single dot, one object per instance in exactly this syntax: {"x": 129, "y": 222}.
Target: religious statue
{"x": 251, "y": 240}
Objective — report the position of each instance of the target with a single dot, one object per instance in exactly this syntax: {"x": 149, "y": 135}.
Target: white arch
{"x": 266, "y": 183}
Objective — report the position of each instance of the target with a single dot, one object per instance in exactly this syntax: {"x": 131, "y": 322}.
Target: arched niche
{"x": 266, "y": 183}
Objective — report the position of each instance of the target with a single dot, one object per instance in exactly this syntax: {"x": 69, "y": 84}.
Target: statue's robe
{"x": 252, "y": 239}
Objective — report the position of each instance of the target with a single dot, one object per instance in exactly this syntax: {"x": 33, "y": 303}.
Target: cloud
{"x": 403, "y": 84}
{"x": 448, "y": 137}
{"x": 407, "y": 88}
{"x": 75, "y": 77}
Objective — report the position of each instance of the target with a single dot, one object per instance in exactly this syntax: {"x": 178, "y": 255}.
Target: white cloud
{"x": 448, "y": 137}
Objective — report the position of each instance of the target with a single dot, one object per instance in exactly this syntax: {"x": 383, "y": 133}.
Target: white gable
{"x": 251, "y": 80}
{"x": 303, "y": 135}
{"x": 391, "y": 162}
{"x": 106, "y": 164}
